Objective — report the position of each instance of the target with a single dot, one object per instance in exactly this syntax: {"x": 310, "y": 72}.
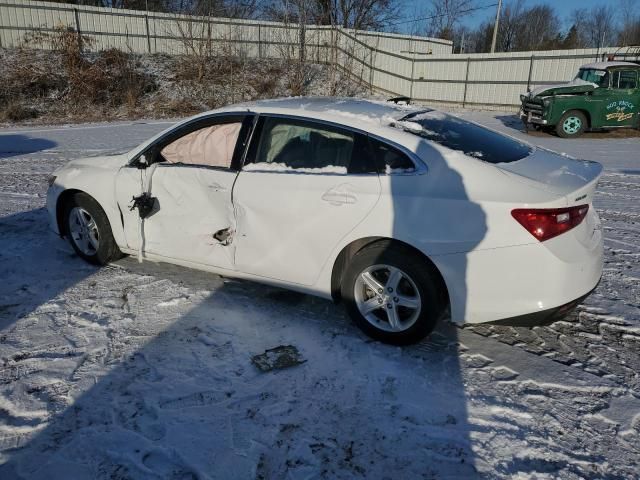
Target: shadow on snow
{"x": 188, "y": 403}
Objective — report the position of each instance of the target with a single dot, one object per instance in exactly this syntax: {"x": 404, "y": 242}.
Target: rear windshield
{"x": 469, "y": 138}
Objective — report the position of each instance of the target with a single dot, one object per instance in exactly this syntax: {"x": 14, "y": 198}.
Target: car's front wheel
{"x": 391, "y": 294}
{"x": 88, "y": 230}
{"x": 572, "y": 124}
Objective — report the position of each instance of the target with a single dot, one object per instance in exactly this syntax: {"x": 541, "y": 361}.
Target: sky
{"x": 417, "y": 8}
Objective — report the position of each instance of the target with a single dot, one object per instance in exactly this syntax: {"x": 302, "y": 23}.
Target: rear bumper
{"x": 530, "y": 283}
{"x": 544, "y": 317}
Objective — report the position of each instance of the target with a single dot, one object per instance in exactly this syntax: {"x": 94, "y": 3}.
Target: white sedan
{"x": 405, "y": 214}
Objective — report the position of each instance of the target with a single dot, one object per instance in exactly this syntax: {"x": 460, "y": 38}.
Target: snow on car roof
{"x": 347, "y": 111}
{"x": 351, "y": 108}
{"x": 375, "y": 116}
{"x": 605, "y": 65}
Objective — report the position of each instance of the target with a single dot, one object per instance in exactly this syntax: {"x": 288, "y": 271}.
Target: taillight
{"x": 546, "y": 223}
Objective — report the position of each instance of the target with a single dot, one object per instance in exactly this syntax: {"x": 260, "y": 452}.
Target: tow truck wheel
{"x": 572, "y": 124}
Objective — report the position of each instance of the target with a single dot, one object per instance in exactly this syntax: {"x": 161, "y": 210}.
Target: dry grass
{"x": 52, "y": 79}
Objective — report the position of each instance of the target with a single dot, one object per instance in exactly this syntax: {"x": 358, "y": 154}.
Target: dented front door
{"x": 187, "y": 177}
{"x": 192, "y": 214}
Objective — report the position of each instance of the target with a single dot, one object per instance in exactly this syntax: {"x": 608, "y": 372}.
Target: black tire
{"x": 576, "y": 124}
{"x": 107, "y": 250}
{"x": 432, "y": 305}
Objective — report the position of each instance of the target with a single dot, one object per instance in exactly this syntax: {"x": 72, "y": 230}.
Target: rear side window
{"x": 624, "y": 79}
{"x": 291, "y": 145}
{"x": 389, "y": 159}
{"x": 468, "y": 138}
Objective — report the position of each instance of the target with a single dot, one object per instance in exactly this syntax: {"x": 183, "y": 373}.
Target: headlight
{"x": 51, "y": 179}
{"x": 546, "y": 102}
{"x": 522, "y": 98}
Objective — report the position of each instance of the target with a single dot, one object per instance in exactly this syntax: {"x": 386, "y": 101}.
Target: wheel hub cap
{"x": 83, "y": 231}
{"x": 387, "y": 298}
{"x": 572, "y": 125}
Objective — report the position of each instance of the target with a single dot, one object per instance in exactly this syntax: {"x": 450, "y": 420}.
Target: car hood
{"x": 105, "y": 162}
{"x": 574, "y": 87}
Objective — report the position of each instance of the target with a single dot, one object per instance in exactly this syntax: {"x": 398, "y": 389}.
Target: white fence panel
{"x": 420, "y": 67}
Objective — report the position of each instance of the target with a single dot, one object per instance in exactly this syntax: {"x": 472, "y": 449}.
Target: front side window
{"x": 211, "y": 146}
{"x": 307, "y": 147}
{"x": 592, "y": 75}
{"x": 624, "y": 79}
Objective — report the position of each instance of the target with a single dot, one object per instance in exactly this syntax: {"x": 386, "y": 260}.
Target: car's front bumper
{"x": 53, "y": 193}
{"x": 530, "y": 117}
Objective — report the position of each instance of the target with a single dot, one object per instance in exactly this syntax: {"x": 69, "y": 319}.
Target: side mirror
{"x": 142, "y": 162}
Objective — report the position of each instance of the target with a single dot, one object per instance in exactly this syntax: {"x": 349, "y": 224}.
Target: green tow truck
{"x": 603, "y": 95}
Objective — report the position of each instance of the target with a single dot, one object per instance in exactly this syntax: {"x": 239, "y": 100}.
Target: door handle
{"x": 340, "y": 195}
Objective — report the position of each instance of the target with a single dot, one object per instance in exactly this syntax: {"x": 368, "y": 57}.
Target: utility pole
{"x": 495, "y": 27}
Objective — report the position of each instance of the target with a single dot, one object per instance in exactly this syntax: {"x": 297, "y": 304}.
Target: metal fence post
{"x": 371, "y": 70}
{"x": 413, "y": 65}
{"x": 259, "y": 41}
{"x": 302, "y": 40}
{"x": 78, "y": 32}
{"x": 466, "y": 83}
{"x": 530, "y": 73}
{"x": 146, "y": 22}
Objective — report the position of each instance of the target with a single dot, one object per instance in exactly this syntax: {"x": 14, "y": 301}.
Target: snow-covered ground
{"x": 144, "y": 371}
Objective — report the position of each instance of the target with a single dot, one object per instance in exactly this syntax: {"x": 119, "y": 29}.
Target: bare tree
{"x": 446, "y": 16}
{"x": 356, "y": 14}
{"x": 595, "y": 27}
{"x": 510, "y": 25}
{"x": 540, "y": 29}
{"x": 601, "y": 25}
{"x": 630, "y": 23}
{"x": 221, "y": 8}
{"x": 521, "y": 29}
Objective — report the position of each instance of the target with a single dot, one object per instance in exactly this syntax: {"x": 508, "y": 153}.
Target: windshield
{"x": 599, "y": 77}
{"x": 469, "y": 138}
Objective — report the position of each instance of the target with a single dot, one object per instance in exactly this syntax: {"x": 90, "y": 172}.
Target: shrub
{"x": 16, "y": 112}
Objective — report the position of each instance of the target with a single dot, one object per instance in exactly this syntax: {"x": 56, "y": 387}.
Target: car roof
{"x": 605, "y": 65}
{"x": 372, "y": 116}
{"x": 358, "y": 113}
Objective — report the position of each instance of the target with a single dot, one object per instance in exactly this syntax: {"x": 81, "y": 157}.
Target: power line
{"x": 431, "y": 17}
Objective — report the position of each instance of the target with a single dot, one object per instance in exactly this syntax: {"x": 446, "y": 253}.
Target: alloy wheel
{"x": 387, "y": 298}
{"x": 84, "y": 231}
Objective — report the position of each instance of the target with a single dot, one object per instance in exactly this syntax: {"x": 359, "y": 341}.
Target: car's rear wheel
{"x": 391, "y": 294}
{"x": 88, "y": 230}
{"x": 572, "y": 124}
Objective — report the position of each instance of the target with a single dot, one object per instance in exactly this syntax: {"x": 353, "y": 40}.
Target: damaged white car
{"x": 405, "y": 214}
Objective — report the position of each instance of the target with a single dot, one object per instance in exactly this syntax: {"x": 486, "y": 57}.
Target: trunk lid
{"x": 573, "y": 179}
